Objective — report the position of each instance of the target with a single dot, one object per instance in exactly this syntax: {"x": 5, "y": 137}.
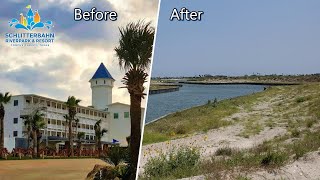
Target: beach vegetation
{"x": 178, "y": 163}
{"x": 278, "y": 107}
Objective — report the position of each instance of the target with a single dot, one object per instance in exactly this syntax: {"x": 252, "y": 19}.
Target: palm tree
{"x": 98, "y": 135}
{"x": 134, "y": 53}
{"x": 72, "y": 104}
{"x": 34, "y": 123}
{"x": 38, "y": 123}
{"x": 27, "y": 123}
{"x": 66, "y": 117}
{"x": 77, "y": 122}
{"x": 4, "y": 99}
{"x": 80, "y": 136}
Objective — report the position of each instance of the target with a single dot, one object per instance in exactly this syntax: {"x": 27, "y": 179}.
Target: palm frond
{"x": 135, "y": 46}
{"x": 103, "y": 131}
{"x": 5, "y": 98}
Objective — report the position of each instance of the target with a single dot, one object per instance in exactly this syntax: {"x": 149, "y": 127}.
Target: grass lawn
{"x": 47, "y": 169}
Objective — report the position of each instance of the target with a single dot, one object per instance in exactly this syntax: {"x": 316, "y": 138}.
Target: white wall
{"x": 10, "y": 113}
{"x": 120, "y": 128}
{"x": 101, "y": 93}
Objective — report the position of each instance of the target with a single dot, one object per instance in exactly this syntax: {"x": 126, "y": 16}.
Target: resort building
{"x": 115, "y": 116}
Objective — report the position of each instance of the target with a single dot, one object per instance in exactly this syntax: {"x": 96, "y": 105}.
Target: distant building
{"x": 115, "y": 116}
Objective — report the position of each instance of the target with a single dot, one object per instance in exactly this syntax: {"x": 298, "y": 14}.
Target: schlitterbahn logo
{"x": 31, "y": 21}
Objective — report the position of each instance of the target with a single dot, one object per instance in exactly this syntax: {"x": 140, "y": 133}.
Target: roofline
{"x": 118, "y": 103}
{"x": 61, "y": 102}
{"x": 122, "y": 104}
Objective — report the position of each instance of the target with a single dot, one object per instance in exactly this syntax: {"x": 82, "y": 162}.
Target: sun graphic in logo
{"x": 31, "y": 21}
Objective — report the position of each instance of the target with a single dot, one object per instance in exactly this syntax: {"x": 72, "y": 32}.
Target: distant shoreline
{"x": 163, "y": 88}
{"x": 240, "y": 83}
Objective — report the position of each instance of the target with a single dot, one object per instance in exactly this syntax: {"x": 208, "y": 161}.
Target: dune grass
{"x": 228, "y": 162}
{"x": 296, "y": 108}
{"x": 200, "y": 119}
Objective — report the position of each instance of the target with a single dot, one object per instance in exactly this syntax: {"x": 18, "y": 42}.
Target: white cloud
{"x": 66, "y": 66}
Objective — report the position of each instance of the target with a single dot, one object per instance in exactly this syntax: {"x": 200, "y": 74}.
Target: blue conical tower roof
{"x": 102, "y": 72}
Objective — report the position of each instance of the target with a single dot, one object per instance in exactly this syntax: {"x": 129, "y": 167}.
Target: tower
{"x": 101, "y": 87}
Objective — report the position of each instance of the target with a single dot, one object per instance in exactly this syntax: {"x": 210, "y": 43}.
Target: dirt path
{"x": 70, "y": 169}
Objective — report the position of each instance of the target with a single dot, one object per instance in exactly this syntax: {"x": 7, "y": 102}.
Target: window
{"x": 15, "y": 133}
{"x": 48, "y": 121}
{"x": 15, "y": 103}
{"x": 96, "y": 82}
{"x": 15, "y": 120}
{"x": 61, "y": 146}
{"x": 116, "y": 115}
{"x": 126, "y": 114}
{"x": 104, "y": 81}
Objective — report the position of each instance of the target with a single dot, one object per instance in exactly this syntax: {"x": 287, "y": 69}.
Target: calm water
{"x": 193, "y": 95}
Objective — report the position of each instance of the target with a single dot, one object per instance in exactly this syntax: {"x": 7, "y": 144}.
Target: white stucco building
{"x": 115, "y": 116}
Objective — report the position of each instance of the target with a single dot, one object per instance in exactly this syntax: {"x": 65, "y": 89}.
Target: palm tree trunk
{"x": 65, "y": 128}
{"x": 38, "y": 144}
{"x": 76, "y": 128}
{"x": 29, "y": 134}
{"x": 2, "y": 112}
{"x": 34, "y": 144}
{"x": 70, "y": 138}
{"x": 135, "y": 113}
{"x": 80, "y": 148}
{"x": 99, "y": 147}
{"x": 28, "y": 144}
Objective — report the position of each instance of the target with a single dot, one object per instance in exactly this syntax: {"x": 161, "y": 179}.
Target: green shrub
{"x": 181, "y": 129}
{"x": 117, "y": 155}
{"x": 300, "y": 99}
{"x": 209, "y": 102}
{"x": 224, "y": 151}
{"x": 310, "y": 122}
{"x": 309, "y": 142}
{"x": 273, "y": 159}
{"x": 215, "y": 102}
{"x": 177, "y": 163}
{"x": 295, "y": 133}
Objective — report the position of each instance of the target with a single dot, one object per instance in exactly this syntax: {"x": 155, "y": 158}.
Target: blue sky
{"x": 64, "y": 68}
{"x": 238, "y": 37}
